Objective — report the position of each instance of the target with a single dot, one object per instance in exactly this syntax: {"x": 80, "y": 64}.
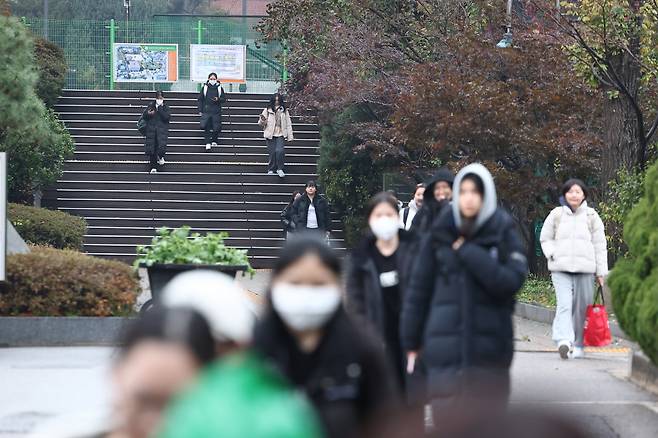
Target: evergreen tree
{"x": 634, "y": 280}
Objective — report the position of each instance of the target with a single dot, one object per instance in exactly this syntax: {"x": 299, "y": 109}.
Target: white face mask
{"x": 304, "y": 307}
{"x": 213, "y": 82}
{"x": 385, "y": 228}
{"x": 159, "y": 101}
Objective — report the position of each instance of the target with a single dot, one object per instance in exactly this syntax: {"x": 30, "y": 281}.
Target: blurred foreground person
{"x": 238, "y": 396}
{"x": 308, "y": 336}
{"x": 161, "y": 356}
{"x": 378, "y": 272}
{"x": 458, "y": 311}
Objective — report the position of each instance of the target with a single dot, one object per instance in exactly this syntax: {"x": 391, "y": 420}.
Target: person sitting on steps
{"x": 157, "y": 116}
{"x": 275, "y": 120}
{"x": 210, "y": 101}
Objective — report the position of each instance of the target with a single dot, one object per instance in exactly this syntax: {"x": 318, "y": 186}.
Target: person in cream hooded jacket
{"x": 573, "y": 241}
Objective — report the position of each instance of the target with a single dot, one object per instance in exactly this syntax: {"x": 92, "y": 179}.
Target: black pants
{"x": 155, "y": 155}
{"x": 212, "y": 127}
{"x": 276, "y": 150}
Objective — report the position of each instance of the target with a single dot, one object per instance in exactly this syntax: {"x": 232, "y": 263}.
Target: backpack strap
{"x": 405, "y": 216}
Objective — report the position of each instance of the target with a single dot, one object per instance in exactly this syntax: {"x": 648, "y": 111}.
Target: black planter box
{"x": 160, "y": 274}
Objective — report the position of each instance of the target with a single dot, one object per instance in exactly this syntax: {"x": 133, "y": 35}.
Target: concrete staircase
{"x": 226, "y": 189}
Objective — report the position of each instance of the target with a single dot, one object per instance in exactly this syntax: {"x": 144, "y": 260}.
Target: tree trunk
{"x": 622, "y": 145}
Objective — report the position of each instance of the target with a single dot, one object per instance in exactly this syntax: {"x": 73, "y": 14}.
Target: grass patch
{"x": 537, "y": 291}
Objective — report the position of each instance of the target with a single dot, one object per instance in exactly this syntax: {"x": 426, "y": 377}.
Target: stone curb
{"x": 27, "y": 331}
{"x": 643, "y": 372}
{"x": 546, "y": 315}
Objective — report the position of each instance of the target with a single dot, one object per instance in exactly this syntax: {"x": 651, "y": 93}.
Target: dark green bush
{"x": 348, "y": 177}
{"x": 634, "y": 279}
{"x": 40, "y": 226}
{"x": 53, "y": 282}
{"x": 52, "y": 68}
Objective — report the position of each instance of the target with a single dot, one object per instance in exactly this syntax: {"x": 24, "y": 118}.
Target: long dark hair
{"x": 301, "y": 245}
{"x": 178, "y": 325}
{"x": 282, "y": 103}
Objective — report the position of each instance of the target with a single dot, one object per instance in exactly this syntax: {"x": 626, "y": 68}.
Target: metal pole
{"x": 112, "y": 40}
{"x": 45, "y": 19}
{"x": 285, "y": 68}
{"x": 509, "y": 16}
{"x": 199, "y": 32}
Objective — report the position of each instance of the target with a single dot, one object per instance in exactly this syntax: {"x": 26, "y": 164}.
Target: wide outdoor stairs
{"x": 226, "y": 189}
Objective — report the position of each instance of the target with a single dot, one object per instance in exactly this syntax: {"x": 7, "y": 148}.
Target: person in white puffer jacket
{"x": 573, "y": 240}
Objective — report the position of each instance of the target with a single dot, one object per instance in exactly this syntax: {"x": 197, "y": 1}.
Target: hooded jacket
{"x": 431, "y": 208}
{"x": 270, "y": 123}
{"x": 459, "y": 307}
{"x": 157, "y": 129}
{"x": 574, "y": 241}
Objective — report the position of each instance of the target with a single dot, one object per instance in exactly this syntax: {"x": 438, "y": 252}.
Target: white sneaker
{"x": 578, "y": 353}
{"x": 564, "y": 348}
{"x": 280, "y": 173}
{"x": 270, "y": 172}
{"x": 154, "y": 170}
{"x": 161, "y": 161}
{"x": 214, "y": 144}
{"x": 207, "y": 146}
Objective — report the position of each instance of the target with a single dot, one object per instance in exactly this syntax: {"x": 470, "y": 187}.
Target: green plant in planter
{"x": 180, "y": 246}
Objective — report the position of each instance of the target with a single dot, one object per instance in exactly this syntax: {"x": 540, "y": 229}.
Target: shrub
{"x": 179, "y": 246}
{"x": 35, "y": 163}
{"x": 348, "y": 177}
{"x": 634, "y": 279}
{"x": 52, "y": 68}
{"x": 539, "y": 291}
{"x": 623, "y": 193}
{"x": 40, "y": 226}
{"x": 53, "y": 282}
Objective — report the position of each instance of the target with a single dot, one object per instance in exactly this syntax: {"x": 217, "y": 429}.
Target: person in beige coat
{"x": 277, "y": 126}
{"x": 573, "y": 240}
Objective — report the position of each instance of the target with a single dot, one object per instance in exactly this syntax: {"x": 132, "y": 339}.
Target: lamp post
{"x": 45, "y": 19}
{"x": 126, "y": 5}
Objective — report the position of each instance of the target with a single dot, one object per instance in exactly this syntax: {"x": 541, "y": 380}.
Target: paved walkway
{"x": 46, "y": 384}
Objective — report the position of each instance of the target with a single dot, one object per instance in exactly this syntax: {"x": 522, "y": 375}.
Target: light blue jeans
{"x": 574, "y": 292}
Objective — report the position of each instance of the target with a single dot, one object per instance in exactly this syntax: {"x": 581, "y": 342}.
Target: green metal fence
{"x": 87, "y": 45}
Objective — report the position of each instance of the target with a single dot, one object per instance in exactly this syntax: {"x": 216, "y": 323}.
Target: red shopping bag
{"x": 597, "y": 327}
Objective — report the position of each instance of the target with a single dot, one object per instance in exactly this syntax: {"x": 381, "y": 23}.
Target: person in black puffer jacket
{"x": 458, "y": 311}
{"x": 437, "y": 195}
{"x": 310, "y": 211}
{"x": 210, "y": 102}
{"x": 307, "y": 335}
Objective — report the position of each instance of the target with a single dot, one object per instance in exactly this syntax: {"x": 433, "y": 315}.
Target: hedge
{"x": 40, "y": 226}
{"x": 53, "y": 282}
{"x": 634, "y": 279}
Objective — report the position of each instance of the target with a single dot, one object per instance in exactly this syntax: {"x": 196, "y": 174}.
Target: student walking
{"x": 311, "y": 211}
{"x": 573, "y": 241}
{"x": 458, "y": 311}
{"x": 307, "y": 335}
{"x": 408, "y": 213}
{"x": 437, "y": 195}
{"x": 377, "y": 274}
{"x": 287, "y": 221}
{"x": 210, "y": 102}
{"x": 277, "y": 125}
{"x": 156, "y": 116}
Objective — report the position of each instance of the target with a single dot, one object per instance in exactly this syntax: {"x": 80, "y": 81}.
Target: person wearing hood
{"x": 437, "y": 195}
{"x": 210, "y": 102}
{"x": 239, "y": 395}
{"x": 573, "y": 241}
{"x": 377, "y": 273}
{"x": 407, "y": 214}
{"x": 307, "y": 335}
{"x": 458, "y": 310}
